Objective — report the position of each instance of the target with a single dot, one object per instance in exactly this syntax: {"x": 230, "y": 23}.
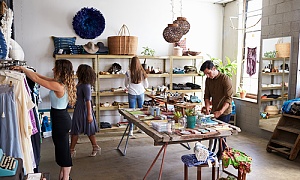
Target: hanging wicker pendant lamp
{"x": 183, "y": 24}
{"x": 172, "y": 33}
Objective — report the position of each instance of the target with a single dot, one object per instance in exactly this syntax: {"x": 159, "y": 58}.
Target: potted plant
{"x": 242, "y": 92}
{"x": 229, "y": 69}
{"x": 177, "y": 115}
{"x": 190, "y": 118}
{"x": 147, "y": 52}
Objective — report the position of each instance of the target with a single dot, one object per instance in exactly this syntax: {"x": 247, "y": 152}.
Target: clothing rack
{"x": 9, "y": 63}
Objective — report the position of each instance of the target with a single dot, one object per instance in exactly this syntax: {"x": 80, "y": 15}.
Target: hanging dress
{"x": 251, "y": 61}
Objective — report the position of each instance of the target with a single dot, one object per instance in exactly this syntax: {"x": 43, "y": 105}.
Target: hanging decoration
{"x": 88, "y": 23}
{"x": 183, "y": 24}
{"x": 174, "y": 32}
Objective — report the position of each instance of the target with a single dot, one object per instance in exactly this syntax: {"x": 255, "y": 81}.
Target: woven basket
{"x": 123, "y": 44}
{"x": 272, "y": 109}
{"x": 283, "y": 49}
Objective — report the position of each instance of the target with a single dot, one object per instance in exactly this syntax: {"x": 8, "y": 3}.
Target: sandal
{"x": 73, "y": 153}
{"x": 96, "y": 149}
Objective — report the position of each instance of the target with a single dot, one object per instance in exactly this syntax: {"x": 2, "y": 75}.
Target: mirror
{"x": 273, "y": 81}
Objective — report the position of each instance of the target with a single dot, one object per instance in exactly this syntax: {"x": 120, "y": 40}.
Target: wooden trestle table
{"x": 164, "y": 139}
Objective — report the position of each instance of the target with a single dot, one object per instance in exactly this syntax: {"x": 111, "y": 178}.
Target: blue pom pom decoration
{"x": 88, "y": 23}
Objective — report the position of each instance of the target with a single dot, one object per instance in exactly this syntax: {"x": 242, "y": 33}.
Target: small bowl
{"x": 193, "y": 53}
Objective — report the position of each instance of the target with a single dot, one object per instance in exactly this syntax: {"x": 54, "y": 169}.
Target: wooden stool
{"x": 188, "y": 162}
{"x": 186, "y": 172}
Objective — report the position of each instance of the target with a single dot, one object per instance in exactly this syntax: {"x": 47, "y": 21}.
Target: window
{"x": 251, "y": 45}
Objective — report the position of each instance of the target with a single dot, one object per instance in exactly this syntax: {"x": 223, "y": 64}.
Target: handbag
{"x": 236, "y": 158}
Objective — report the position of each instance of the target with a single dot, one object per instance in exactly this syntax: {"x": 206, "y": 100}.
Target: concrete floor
{"x": 110, "y": 165}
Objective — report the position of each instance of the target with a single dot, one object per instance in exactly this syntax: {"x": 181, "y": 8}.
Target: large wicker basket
{"x": 122, "y": 44}
{"x": 283, "y": 50}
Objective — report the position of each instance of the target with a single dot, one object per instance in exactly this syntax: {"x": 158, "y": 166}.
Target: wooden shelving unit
{"x": 167, "y": 75}
{"x": 274, "y": 83}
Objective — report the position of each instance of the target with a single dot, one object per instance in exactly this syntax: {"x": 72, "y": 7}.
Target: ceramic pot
{"x": 243, "y": 95}
{"x": 191, "y": 122}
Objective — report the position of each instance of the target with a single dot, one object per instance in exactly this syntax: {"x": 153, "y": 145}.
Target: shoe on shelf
{"x": 73, "y": 153}
{"x": 96, "y": 149}
{"x": 130, "y": 133}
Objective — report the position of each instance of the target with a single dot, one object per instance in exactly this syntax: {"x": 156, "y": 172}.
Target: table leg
{"x": 126, "y": 143}
{"x": 186, "y": 146}
{"x": 164, "y": 147}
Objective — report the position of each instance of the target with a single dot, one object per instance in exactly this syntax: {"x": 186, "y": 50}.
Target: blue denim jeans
{"x": 133, "y": 101}
{"x": 226, "y": 119}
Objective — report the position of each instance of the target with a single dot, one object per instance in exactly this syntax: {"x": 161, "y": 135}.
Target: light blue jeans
{"x": 133, "y": 101}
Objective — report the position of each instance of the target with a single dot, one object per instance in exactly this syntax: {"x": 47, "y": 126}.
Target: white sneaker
{"x": 130, "y": 133}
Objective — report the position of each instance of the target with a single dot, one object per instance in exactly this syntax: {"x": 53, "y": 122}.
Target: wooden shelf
{"x": 273, "y": 88}
{"x": 113, "y": 94}
{"x": 274, "y": 74}
{"x": 289, "y": 129}
{"x": 187, "y": 91}
{"x": 158, "y": 75}
{"x": 111, "y": 76}
{"x": 273, "y": 99}
{"x": 276, "y": 59}
{"x": 112, "y": 108}
{"x": 185, "y": 75}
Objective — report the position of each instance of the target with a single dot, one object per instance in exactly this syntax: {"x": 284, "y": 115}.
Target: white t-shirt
{"x": 135, "y": 89}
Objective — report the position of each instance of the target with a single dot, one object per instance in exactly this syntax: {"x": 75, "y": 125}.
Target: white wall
{"x": 36, "y": 21}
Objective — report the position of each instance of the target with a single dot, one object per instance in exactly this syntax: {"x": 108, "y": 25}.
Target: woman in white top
{"x": 136, "y": 82}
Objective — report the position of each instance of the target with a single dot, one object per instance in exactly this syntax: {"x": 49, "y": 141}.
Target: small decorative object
{"x": 91, "y": 48}
{"x": 193, "y": 53}
{"x": 182, "y": 44}
{"x": 172, "y": 33}
{"x": 177, "y": 51}
{"x": 183, "y": 24}
{"x": 88, "y": 23}
{"x": 242, "y": 92}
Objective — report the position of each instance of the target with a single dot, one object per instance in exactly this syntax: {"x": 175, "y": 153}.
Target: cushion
{"x": 191, "y": 160}
{"x": 63, "y": 43}
{"x": 76, "y": 49}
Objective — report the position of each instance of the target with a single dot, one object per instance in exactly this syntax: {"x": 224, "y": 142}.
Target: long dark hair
{"x": 86, "y": 74}
{"x": 137, "y": 72}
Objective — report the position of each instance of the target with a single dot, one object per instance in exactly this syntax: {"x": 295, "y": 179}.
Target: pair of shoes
{"x": 96, "y": 149}
{"x": 130, "y": 133}
{"x": 141, "y": 131}
{"x": 73, "y": 153}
